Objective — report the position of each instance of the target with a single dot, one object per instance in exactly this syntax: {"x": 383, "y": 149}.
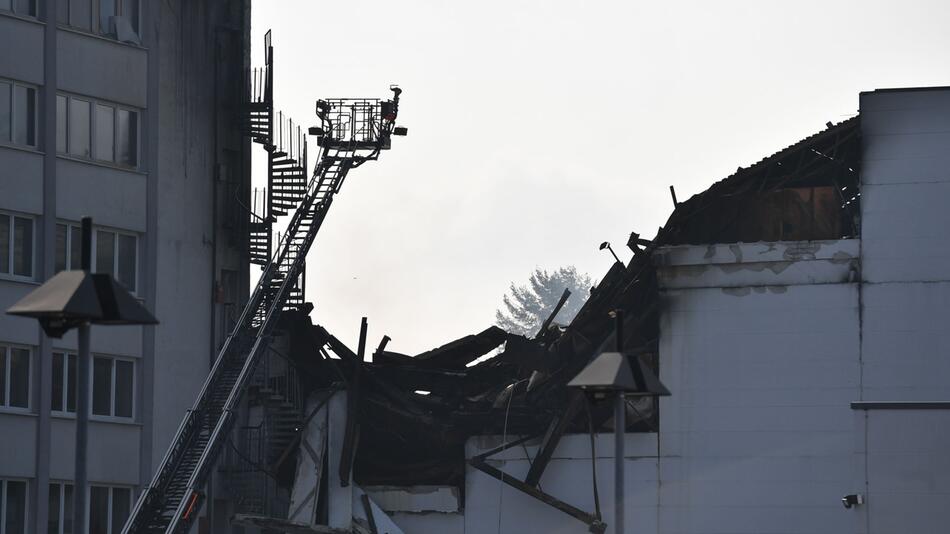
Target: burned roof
{"x": 415, "y": 412}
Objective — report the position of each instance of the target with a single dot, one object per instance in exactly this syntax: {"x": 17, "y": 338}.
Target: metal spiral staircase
{"x": 352, "y": 132}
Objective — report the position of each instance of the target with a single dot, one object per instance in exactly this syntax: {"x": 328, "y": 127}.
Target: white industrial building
{"x": 805, "y": 373}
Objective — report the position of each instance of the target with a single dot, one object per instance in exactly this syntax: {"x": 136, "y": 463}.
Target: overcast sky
{"x": 539, "y": 129}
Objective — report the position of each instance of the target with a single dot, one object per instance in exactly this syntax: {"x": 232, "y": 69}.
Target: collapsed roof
{"x": 411, "y": 415}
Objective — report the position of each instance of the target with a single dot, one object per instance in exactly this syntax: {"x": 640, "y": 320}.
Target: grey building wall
{"x": 905, "y": 308}
{"x": 185, "y": 81}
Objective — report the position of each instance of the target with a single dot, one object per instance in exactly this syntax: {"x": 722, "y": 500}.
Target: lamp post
{"x": 611, "y": 374}
{"x": 78, "y": 299}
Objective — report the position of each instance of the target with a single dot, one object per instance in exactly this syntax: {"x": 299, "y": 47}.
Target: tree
{"x": 527, "y": 307}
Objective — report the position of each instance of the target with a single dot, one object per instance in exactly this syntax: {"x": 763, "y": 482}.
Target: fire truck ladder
{"x": 352, "y": 133}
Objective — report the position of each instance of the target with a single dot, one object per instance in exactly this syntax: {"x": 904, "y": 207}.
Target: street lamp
{"x": 611, "y": 374}
{"x": 78, "y": 299}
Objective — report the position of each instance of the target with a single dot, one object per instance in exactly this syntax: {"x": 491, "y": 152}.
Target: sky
{"x": 539, "y": 129}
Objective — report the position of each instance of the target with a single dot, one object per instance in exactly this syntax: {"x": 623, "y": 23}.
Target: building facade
{"x": 124, "y": 111}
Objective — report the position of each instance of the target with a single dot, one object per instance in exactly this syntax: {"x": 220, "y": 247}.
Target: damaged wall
{"x": 760, "y": 347}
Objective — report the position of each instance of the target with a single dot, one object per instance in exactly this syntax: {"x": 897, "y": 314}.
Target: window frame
{"x": 95, "y": 242}
{"x": 94, "y": 103}
{"x": 7, "y": 364}
{"x": 112, "y": 388}
{"x": 66, "y": 412}
{"x": 13, "y": 112}
{"x": 110, "y": 528}
{"x": 11, "y": 248}
{"x": 61, "y": 485}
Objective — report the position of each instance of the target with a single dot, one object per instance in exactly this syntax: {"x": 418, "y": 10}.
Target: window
{"x": 108, "y": 509}
{"x": 112, "y": 386}
{"x": 26, "y": 8}
{"x": 127, "y": 137}
{"x": 68, "y": 247}
{"x": 113, "y": 252}
{"x": 107, "y": 10}
{"x": 17, "y": 113}
{"x": 14, "y": 376}
{"x": 61, "y": 123}
{"x": 64, "y": 382}
{"x": 112, "y": 135}
{"x": 81, "y": 13}
{"x": 13, "y": 506}
{"x": 105, "y": 133}
{"x": 60, "y": 508}
{"x": 78, "y": 128}
{"x": 116, "y": 253}
{"x": 16, "y": 245}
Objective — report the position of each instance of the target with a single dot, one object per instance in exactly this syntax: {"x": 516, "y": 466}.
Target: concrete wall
{"x": 760, "y": 347}
{"x": 906, "y": 297}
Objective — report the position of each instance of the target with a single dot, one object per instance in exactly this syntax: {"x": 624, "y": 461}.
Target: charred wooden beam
{"x": 361, "y": 348}
{"x": 352, "y": 431}
{"x": 457, "y": 354}
{"x": 552, "y": 437}
{"x": 557, "y": 308}
{"x": 594, "y": 525}
{"x": 380, "y": 348}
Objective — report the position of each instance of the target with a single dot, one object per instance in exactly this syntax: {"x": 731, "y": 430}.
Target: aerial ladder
{"x": 352, "y": 132}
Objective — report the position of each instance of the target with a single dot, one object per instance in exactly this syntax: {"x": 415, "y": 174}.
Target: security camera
{"x": 852, "y": 500}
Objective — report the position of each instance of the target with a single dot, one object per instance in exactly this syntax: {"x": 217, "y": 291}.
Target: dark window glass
{"x": 5, "y": 117}
{"x": 75, "y": 248}
{"x": 59, "y": 388}
{"x": 4, "y": 243}
{"x": 19, "y": 377}
{"x": 54, "y": 504}
{"x": 71, "y": 385}
{"x": 62, "y": 11}
{"x": 78, "y": 127}
{"x": 61, "y": 246}
{"x": 22, "y": 246}
{"x": 60, "y": 123}
{"x": 126, "y": 274}
{"x": 98, "y": 510}
{"x": 105, "y": 252}
{"x": 26, "y": 8}
{"x": 106, "y": 11}
{"x": 101, "y": 386}
{"x": 123, "y": 388}
{"x": 80, "y": 14}
{"x": 24, "y": 114}
{"x": 121, "y": 501}
{"x": 15, "y": 509}
{"x": 68, "y": 509}
{"x": 127, "y": 137}
{"x": 105, "y": 133}
{"x": 6, "y": 5}
{"x": 130, "y": 9}
{"x": 3, "y": 376}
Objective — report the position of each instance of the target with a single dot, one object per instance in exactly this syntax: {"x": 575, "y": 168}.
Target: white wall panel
{"x": 101, "y": 68}
{"x": 112, "y": 197}
{"x": 21, "y": 185}
{"x": 21, "y": 50}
